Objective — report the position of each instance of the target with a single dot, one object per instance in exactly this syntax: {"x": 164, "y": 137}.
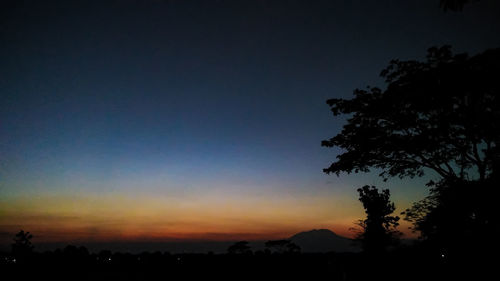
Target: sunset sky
{"x": 199, "y": 120}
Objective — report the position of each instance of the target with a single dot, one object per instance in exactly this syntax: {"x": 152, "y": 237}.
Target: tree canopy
{"x": 282, "y": 246}
{"x": 438, "y": 114}
{"x": 22, "y": 246}
{"x": 379, "y": 227}
{"x": 241, "y": 247}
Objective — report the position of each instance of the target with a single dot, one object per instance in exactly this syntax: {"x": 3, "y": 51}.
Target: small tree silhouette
{"x": 22, "y": 247}
{"x": 282, "y": 246}
{"x": 240, "y": 247}
{"x": 379, "y": 227}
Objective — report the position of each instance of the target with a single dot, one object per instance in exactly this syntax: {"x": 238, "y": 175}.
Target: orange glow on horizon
{"x": 108, "y": 217}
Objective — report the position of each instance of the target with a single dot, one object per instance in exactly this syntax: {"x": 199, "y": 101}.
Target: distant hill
{"x": 314, "y": 241}
{"x": 323, "y": 240}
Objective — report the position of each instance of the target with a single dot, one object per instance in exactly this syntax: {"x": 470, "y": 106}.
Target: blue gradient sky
{"x": 199, "y": 101}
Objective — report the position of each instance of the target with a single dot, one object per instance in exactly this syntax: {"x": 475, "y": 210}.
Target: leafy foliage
{"x": 459, "y": 216}
{"x": 437, "y": 115}
{"x": 433, "y": 115}
{"x": 379, "y": 227}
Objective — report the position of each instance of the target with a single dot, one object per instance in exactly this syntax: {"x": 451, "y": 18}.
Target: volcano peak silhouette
{"x": 323, "y": 240}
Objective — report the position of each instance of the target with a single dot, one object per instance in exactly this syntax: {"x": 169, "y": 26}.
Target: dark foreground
{"x": 75, "y": 263}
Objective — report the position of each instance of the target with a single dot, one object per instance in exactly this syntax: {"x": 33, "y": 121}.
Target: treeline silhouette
{"x": 280, "y": 260}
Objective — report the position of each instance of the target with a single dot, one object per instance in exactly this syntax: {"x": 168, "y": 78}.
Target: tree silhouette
{"x": 22, "y": 247}
{"x": 379, "y": 227}
{"x": 282, "y": 246}
{"x": 433, "y": 115}
{"x": 240, "y": 247}
{"x": 105, "y": 256}
{"x": 436, "y": 115}
{"x": 459, "y": 217}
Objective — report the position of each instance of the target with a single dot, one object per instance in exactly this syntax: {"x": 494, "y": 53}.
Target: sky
{"x": 198, "y": 120}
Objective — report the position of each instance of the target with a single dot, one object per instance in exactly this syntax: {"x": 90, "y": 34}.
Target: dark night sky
{"x": 192, "y": 118}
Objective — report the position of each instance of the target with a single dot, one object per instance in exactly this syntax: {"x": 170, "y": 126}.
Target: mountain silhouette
{"x": 323, "y": 240}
